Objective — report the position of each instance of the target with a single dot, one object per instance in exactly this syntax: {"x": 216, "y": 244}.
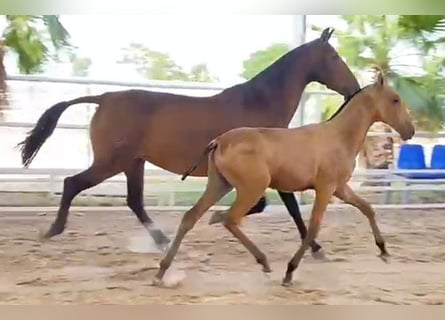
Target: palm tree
{"x": 34, "y": 39}
{"x": 409, "y": 50}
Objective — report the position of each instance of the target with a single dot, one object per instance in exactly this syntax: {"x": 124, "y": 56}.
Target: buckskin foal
{"x": 318, "y": 156}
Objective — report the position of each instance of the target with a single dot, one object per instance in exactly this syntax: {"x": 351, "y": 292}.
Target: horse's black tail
{"x": 45, "y": 127}
{"x": 210, "y": 147}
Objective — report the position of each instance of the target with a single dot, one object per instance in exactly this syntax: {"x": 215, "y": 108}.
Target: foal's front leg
{"x": 290, "y": 201}
{"x": 346, "y": 194}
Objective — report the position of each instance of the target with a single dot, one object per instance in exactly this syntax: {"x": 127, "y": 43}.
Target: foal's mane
{"x": 345, "y": 103}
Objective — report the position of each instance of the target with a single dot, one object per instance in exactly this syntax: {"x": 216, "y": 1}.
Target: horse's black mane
{"x": 270, "y": 80}
{"x": 273, "y": 73}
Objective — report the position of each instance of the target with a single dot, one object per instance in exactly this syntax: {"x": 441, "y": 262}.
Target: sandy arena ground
{"x": 100, "y": 259}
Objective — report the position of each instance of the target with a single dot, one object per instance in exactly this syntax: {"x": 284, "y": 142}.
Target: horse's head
{"x": 330, "y": 69}
{"x": 389, "y": 108}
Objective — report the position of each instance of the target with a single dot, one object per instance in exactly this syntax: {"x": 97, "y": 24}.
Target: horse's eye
{"x": 396, "y": 101}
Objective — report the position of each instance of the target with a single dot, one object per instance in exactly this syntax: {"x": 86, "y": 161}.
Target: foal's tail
{"x": 210, "y": 147}
{"x": 45, "y": 127}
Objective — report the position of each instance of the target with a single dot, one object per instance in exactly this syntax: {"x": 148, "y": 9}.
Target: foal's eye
{"x": 396, "y": 100}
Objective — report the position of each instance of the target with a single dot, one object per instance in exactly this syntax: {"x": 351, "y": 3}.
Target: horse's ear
{"x": 326, "y": 34}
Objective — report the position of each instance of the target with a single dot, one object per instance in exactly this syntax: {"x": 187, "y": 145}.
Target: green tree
{"x": 382, "y": 40}
{"x": 152, "y": 64}
{"x": 79, "y": 65}
{"x": 200, "y": 73}
{"x": 261, "y": 59}
{"x": 35, "y": 40}
{"x": 330, "y": 106}
{"x": 158, "y": 65}
{"x": 385, "y": 42}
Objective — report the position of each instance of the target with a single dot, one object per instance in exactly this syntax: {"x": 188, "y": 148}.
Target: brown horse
{"x": 169, "y": 130}
{"x": 253, "y": 159}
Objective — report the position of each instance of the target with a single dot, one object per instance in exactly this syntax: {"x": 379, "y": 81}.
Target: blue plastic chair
{"x": 412, "y": 157}
{"x": 438, "y": 160}
{"x": 438, "y": 157}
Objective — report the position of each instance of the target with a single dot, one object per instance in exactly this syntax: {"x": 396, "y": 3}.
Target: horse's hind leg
{"x": 217, "y": 187}
{"x": 258, "y": 207}
{"x": 346, "y": 194}
{"x": 135, "y": 201}
{"x": 72, "y": 186}
{"x": 291, "y": 204}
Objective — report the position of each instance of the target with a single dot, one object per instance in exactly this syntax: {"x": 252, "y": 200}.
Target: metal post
{"x": 298, "y": 38}
{"x": 299, "y": 30}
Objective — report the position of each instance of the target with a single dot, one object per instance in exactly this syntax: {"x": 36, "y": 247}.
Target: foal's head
{"x": 331, "y": 70}
{"x": 389, "y": 108}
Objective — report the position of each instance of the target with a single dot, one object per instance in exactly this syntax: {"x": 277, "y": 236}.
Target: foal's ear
{"x": 380, "y": 79}
{"x": 326, "y": 34}
{"x": 379, "y": 76}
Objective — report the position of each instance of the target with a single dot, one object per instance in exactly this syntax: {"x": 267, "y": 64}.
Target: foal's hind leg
{"x": 291, "y": 204}
{"x": 216, "y": 188}
{"x": 245, "y": 198}
{"x": 346, "y": 194}
{"x": 72, "y": 186}
{"x": 135, "y": 201}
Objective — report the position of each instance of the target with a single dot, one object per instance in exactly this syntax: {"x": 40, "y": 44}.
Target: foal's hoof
{"x": 384, "y": 257}
{"x": 217, "y": 217}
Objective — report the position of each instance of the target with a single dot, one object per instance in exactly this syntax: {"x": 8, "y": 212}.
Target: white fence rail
{"x": 47, "y": 175}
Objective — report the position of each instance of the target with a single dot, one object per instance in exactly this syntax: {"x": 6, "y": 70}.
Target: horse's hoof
{"x": 46, "y": 236}
{"x": 157, "y": 282}
{"x": 384, "y": 257}
{"x": 286, "y": 283}
{"x": 42, "y": 236}
{"x": 162, "y": 247}
{"x": 267, "y": 269}
{"x": 319, "y": 255}
{"x": 53, "y": 231}
{"x": 160, "y": 239}
{"x": 217, "y": 217}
